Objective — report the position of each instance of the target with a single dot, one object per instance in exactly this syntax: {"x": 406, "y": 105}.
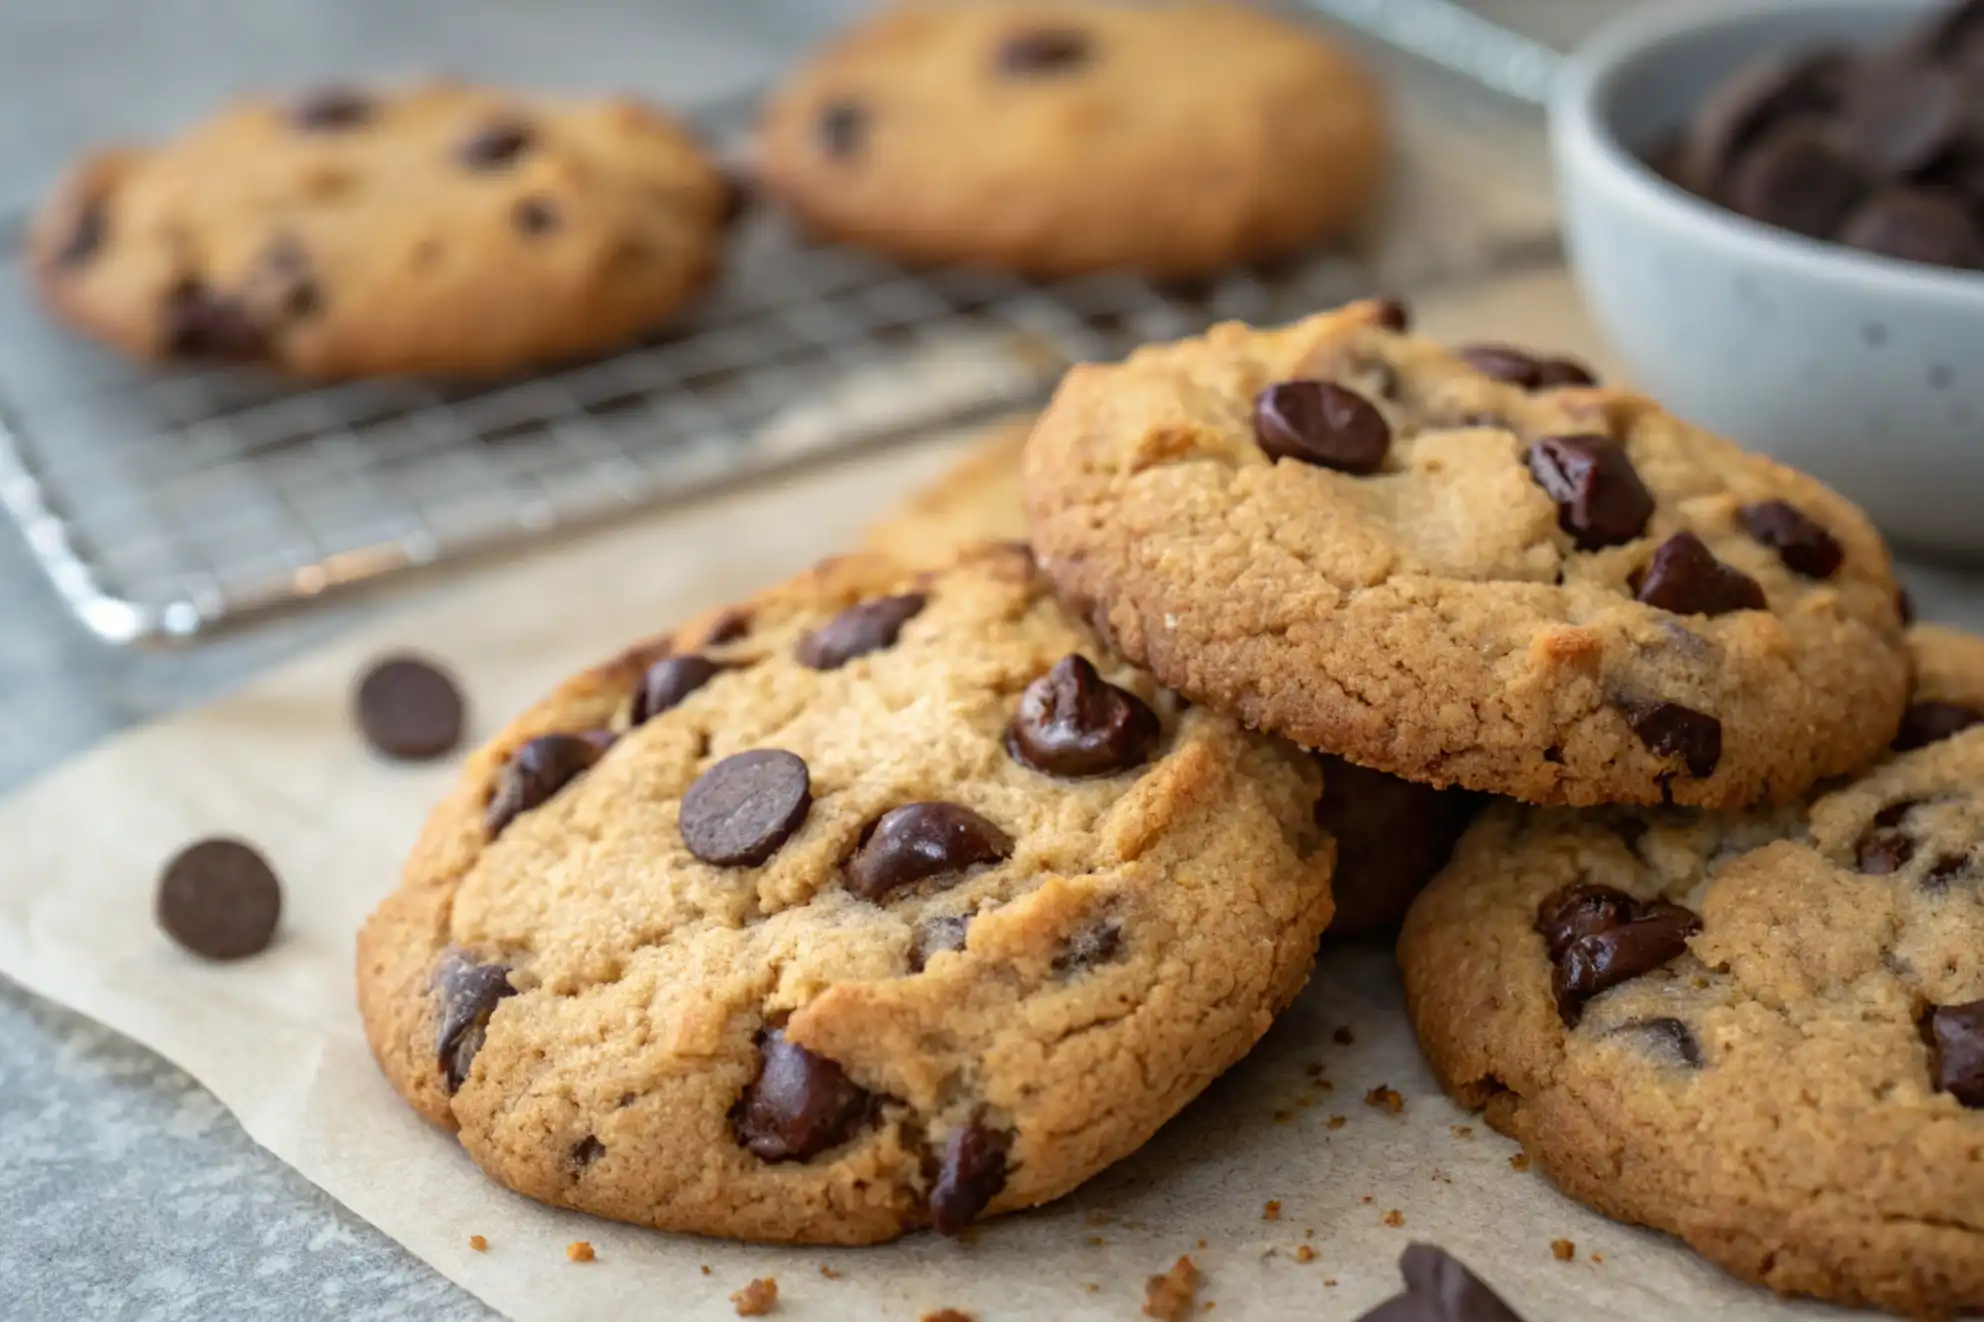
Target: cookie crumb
{"x": 1344, "y": 1037}
{"x": 478, "y": 1243}
{"x": 1308, "y": 1232}
{"x": 1367, "y": 1200}
{"x": 1283, "y": 1117}
{"x": 1385, "y": 1098}
{"x": 1336, "y": 1122}
{"x": 1270, "y": 1211}
{"x": 706, "y": 1269}
{"x": 1519, "y": 1162}
{"x": 829, "y": 1272}
{"x": 1202, "y": 1244}
{"x": 1330, "y": 1281}
{"x": 1394, "y": 1218}
{"x": 1598, "y": 1257}
{"x": 1169, "y": 1297}
{"x": 1096, "y": 1241}
{"x": 1092, "y": 1287}
{"x": 1563, "y": 1250}
{"x": 1303, "y": 1253}
{"x": 756, "y": 1299}
{"x": 579, "y": 1250}
{"x": 1463, "y": 1131}
{"x": 948, "y": 1315}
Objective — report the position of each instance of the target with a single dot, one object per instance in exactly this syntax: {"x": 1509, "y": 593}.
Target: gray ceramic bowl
{"x": 1865, "y": 371}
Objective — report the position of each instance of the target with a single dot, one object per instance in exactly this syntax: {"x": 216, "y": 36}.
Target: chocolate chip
{"x": 969, "y": 1177}
{"x": 1885, "y": 847}
{"x": 1958, "y": 1034}
{"x": 1670, "y": 730}
{"x": 1670, "y": 1034}
{"x": 1686, "y": 578}
{"x": 1096, "y": 944}
{"x": 800, "y": 1104}
{"x": 586, "y": 1151}
{"x": 536, "y": 772}
{"x": 1321, "y": 423}
{"x": 1394, "y": 315}
{"x": 742, "y": 809}
{"x": 1795, "y": 178}
{"x": 1929, "y": 722}
{"x": 1943, "y": 870}
{"x": 1438, "y": 1288}
{"x": 921, "y": 840}
{"x": 841, "y": 126}
{"x": 1519, "y": 368}
{"x": 1929, "y": 225}
{"x": 858, "y": 630}
{"x": 1762, "y": 93}
{"x": 1904, "y": 607}
{"x": 469, "y": 994}
{"x": 669, "y": 681}
{"x": 1391, "y": 836}
{"x": 202, "y": 324}
{"x": 329, "y": 108}
{"x": 86, "y": 235}
{"x": 728, "y": 627}
{"x": 219, "y": 899}
{"x": 284, "y": 283}
{"x": 494, "y": 146}
{"x": 1600, "y": 498}
{"x": 1045, "y": 50}
{"x": 1599, "y": 937}
{"x": 1072, "y": 723}
{"x": 409, "y": 709}
{"x": 1801, "y": 543}
{"x": 936, "y": 934}
{"x": 1899, "y": 116}
{"x": 534, "y": 215}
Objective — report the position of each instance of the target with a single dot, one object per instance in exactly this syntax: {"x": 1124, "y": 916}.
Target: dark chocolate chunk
{"x": 800, "y": 1104}
{"x": 1599, "y": 937}
{"x": 200, "y": 323}
{"x": 1795, "y": 178}
{"x": 1045, "y": 51}
{"x": 1802, "y": 543}
{"x": 1321, "y": 423}
{"x": 937, "y": 934}
{"x": 1670, "y": 1034}
{"x": 586, "y": 1151}
{"x": 469, "y": 993}
{"x": 1930, "y": 225}
{"x": 536, "y": 772}
{"x": 1899, "y": 116}
{"x": 858, "y": 630}
{"x": 1438, "y": 1288}
{"x": 409, "y": 709}
{"x": 494, "y": 146}
{"x": 1886, "y": 847}
{"x": 1671, "y": 730}
{"x": 330, "y": 108}
{"x": 669, "y": 681}
{"x": 742, "y": 809}
{"x": 1930, "y": 722}
{"x": 728, "y": 627}
{"x": 1759, "y": 95}
{"x": 1394, "y": 314}
{"x": 1600, "y": 498}
{"x": 842, "y": 126}
{"x": 970, "y": 1175}
{"x": 921, "y": 840}
{"x": 1518, "y": 367}
{"x": 1958, "y": 1034}
{"x": 219, "y": 899}
{"x": 1686, "y": 578}
{"x": 1072, "y": 723}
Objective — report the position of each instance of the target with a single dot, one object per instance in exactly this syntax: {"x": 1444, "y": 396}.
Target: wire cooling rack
{"x": 163, "y": 503}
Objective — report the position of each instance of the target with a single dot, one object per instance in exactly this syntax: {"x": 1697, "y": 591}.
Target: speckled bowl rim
{"x": 1584, "y": 139}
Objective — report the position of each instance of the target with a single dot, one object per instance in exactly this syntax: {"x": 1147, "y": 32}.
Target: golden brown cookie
{"x": 1471, "y": 568}
{"x": 1056, "y": 138}
{"x": 1762, "y": 1032}
{"x": 888, "y": 900}
{"x": 443, "y": 229}
{"x": 975, "y": 500}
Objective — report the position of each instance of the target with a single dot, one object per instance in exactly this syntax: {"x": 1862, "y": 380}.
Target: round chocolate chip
{"x": 1044, "y": 51}
{"x": 841, "y": 127}
{"x": 1321, "y": 423}
{"x": 1930, "y": 225}
{"x": 1072, "y": 723}
{"x": 494, "y": 146}
{"x": 800, "y": 1104}
{"x": 922, "y": 840}
{"x": 409, "y": 709}
{"x": 1801, "y": 543}
{"x": 1899, "y": 116}
{"x": 969, "y": 1176}
{"x": 1795, "y": 178}
{"x": 1926, "y": 723}
{"x": 1686, "y": 578}
{"x": 858, "y": 630}
{"x": 669, "y": 681}
{"x": 1600, "y": 498}
{"x": 742, "y": 809}
{"x": 537, "y": 771}
{"x": 219, "y": 899}
{"x": 1670, "y": 730}
{"x": 1757, "y": 96}
{"x": 329, "y": 108}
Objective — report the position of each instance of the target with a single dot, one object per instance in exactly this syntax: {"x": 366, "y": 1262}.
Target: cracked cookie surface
{"x": 904, "y": 904}
{"x": 1762, "y": 1032}
{"x": 1059, "y": 138}
{"x": 1468, "y": 568}
{"x": 445, "y": 229}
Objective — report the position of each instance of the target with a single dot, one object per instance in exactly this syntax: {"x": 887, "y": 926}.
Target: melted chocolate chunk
{"x": 1045, "y": 51}
{"x": 1321, "y": 423}
{"x": 800, "y": 1104}
{"x": 1801, "y": 543}
{"x": 537, "y": 771}
{"x": 1599, "y": 937}
{"x": 469, "y": 993}
{"x": 1072, "y": 723}
{"x": 586, "y": 1151}
{"x": 1600, "y": 498}
{"x": 494, "y": 146}
{"x": 922, "y": 840}
{"x": 969, "y": 1177}
{"x": 859, "y": 630}
{"x": 1958, "y": 1034}
{"x": 1670, "y": 730}
{"x": 200, "y": 323}
{"x": 669, "y": 681}
{"x": 1686, "y": 578}
{"x": 1519, "y": 368}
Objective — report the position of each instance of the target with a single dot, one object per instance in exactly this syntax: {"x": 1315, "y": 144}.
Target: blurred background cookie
{"x": 444, "y": 229}
{"x": 1057, "y": 138}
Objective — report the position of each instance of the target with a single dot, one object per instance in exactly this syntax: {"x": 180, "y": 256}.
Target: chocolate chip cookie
{"x": 1472, "y": 567}
{"x": 976, "y": 499}
{"x": 1762, "y": 1032}
{"x": 1057, "y": 138}
{"x": 888, "y": 900}
{"x": 341, "y": 233}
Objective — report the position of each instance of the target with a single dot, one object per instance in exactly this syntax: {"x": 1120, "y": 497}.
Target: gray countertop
{"x": 126, "y": 1191}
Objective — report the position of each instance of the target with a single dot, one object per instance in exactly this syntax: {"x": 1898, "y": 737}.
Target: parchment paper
{"x": 277, "y": 1037}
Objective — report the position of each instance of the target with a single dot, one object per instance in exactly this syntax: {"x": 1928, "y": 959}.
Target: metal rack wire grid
{"x": 161, "y": 503}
